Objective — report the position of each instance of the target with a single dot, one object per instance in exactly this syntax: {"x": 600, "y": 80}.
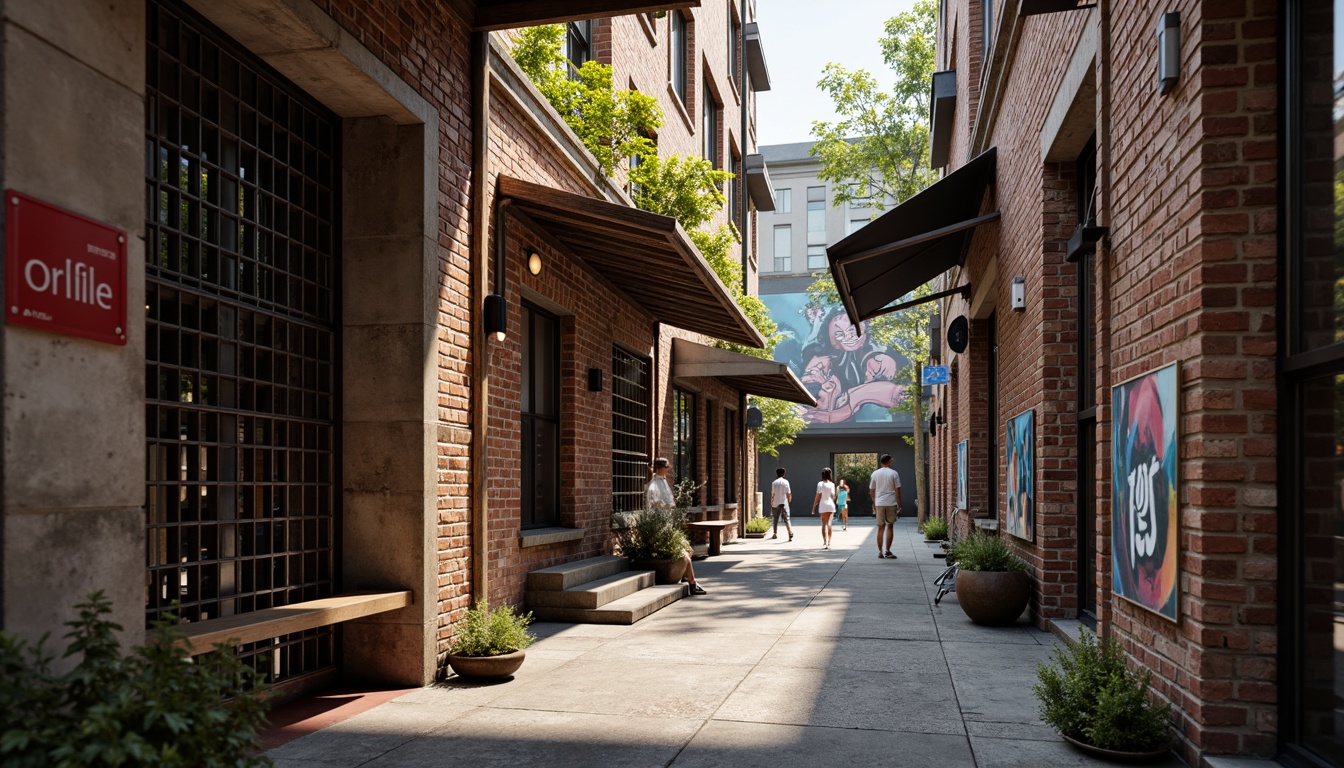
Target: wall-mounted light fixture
{"x": 1019, "y": 294}
{"x": 534, "y": 262}
{"x": 1168, "y": 51}
{"x": 594, "y": 379}
{"x": 754, "y": 417}
{"x": 496, "y": 316}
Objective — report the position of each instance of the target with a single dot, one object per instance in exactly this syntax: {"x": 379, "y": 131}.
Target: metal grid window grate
{"x": 240, "y": 376}
{"x": 684, "y": 447}
{"x": 729, "y": 457}
{"x": 629, "y": 430}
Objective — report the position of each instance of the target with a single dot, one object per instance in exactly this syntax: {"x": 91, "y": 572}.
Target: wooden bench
{"x": 715, "y": 530}
{"x": 243, "y": 628}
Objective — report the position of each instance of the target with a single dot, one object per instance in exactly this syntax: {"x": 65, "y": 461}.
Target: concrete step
{"x": 566, "y": 575}
{"x": 626, "y": 610}
{"x": 592, "y": 594}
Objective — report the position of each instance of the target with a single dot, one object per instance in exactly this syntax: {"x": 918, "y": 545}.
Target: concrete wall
{"x": 809, "y": 454}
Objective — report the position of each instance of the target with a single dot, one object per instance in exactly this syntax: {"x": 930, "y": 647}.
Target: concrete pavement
{"x": 798, "y": 656}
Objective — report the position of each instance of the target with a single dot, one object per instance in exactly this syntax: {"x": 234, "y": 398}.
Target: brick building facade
{"x": 323, "y": 206}
{"x": 1174, "y": 223}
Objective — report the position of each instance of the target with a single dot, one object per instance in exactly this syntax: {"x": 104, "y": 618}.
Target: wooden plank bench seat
{"x": 243, "y": 628}
{"x": 715, "y": 530}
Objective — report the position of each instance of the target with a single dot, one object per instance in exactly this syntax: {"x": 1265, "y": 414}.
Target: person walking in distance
{"x": 885, "y": 488}
{"x": 842, "y": 502}
{"x": 780, "y": 497}
{"x": 825, "y": 504}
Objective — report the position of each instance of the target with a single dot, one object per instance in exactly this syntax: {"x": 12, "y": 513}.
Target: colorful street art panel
{"x": 1144, "y": 520}
{"x": 1020, "y": 483}
{"x": 961, "y": 475}
{"x": 853, "y": 378}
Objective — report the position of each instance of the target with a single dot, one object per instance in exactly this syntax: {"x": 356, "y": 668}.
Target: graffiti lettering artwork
{"x": 1143, "y": 479}
{"x": 852, "y": 377}
{"x": 961, "y": 475}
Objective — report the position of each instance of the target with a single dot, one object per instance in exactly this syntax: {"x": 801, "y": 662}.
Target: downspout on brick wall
{"x": 480, "y": 241}
{"x": 741, "y": 165}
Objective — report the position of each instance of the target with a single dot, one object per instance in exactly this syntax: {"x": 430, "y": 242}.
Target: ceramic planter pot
{"x": 993, "y": 598}
{"x": 754, "y": 535}
{"x": 664, "y": 571}
{"x": 1111, "y": 754}
{"x": 487, "y": 667}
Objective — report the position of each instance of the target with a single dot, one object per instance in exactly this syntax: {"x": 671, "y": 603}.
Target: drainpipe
{"x": 480, "y": 352}
{"x": 741, "y": 42}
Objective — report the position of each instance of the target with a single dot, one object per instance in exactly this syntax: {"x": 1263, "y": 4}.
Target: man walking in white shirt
{"x": 781, "y": 494}
{"x": 885, "y": 488}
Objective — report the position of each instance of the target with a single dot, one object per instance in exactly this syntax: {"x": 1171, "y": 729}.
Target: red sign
{"x": 64, "y": 273}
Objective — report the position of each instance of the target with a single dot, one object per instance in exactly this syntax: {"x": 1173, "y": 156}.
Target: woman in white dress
{"x": 825, "y": 504}
{"x": 658, "y": 495}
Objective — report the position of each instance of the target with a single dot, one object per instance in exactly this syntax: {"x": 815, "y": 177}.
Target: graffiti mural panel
{"x": 1020, "y": 520}
{"x": 853, "y": 378}
{"x": 1144, "y": 519}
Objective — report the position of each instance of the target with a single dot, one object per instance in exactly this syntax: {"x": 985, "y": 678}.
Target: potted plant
{"x": 935, "y": 530}
{"x": 655, "y": 540}
{"x": 489, "y": 644}
{"x": 992, "y": 583}
{"x": 1098, "y": 705}
{"x": 757, "y": 526}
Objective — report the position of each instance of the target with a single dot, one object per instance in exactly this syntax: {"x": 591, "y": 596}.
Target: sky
{"x": 799, "y": 41}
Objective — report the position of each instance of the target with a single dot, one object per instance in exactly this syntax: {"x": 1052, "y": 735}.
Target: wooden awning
{"x": 745, "y": 373}
{"x": 644, "y": 256}
{"x": 508, "y": 14}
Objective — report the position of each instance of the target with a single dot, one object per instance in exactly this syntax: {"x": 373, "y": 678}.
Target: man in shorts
{"x": 780, "y": 496}
{"x": 885, "y": 488}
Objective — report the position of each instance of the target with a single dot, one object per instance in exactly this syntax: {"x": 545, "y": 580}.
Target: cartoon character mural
{"x": 852, "y": 377}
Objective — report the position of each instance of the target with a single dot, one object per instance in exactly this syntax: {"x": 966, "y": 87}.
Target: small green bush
{"x": 935, "y": 529}
{"x": 484, "y": 632}
{"x": 758, "y": 525}
{"x": 654, "y": 534}
{"x": 1090, "y": 695}
{"x": 154, "y": 706}
{"x": 984, "y": 552}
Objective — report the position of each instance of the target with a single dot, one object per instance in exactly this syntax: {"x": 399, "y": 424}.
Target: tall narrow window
{"x": 540, "y": 376}
{"x": 578, "y": 44}
{"x": 816, "y": 257}
{"x": 734, "y": 206}
{"x": 709, "y": 124}
{"x": 734, "y": 58}
{"x": 816, "y": 215}
{"x": 1087, "y": 395}
{"x": 783, "y": 248}
{"x": 629, "y": 429}
{"x": 784, "y": 201}
{"x": 729, "y": 457}
{"x": 680, "y": 49}
{"x": 708, "y": 493}
{"x": 683, "y": 445}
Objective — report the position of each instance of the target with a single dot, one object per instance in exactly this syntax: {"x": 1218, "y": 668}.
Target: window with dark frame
{"x": 734, "y": 208}
{"x": 707, "y": 493}
{"x": 709, "y": 124}
{"x": 630, "y": 458}
{"x": 683, "y": 438}
{"x": 578, "y": 45}
{"x": 540, "y": 403}
{"x": 241, "y": 356}
{"x": 730, "y": 427}
{"x": 680, "y": 46}
{"x": 1086, "y": 175}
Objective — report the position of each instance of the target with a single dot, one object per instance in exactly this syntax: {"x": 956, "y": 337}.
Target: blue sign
{"x": 937, "y": 374}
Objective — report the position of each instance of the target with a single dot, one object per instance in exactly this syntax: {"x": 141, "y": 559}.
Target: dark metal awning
{"x": 759, "y": 188}
{"x": 912, "y": 243}
{"x": 507, "y": 14}
{"x": 745, "y": 373}
{"x": 644, "y": 256}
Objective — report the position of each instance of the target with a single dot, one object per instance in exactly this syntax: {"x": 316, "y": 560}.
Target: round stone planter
{"x": 487, "y": 667}
{"x": 993, "y": 598}
{"x": 754, "y": 535}
{"x": 1111, "y": 754}
{"x": 664, "y": 571}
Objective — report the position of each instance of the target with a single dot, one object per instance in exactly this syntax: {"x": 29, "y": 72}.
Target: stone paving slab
{"x": 798, "y": 656}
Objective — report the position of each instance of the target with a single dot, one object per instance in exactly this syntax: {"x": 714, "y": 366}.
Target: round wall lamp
{"x": 534, "y": 262}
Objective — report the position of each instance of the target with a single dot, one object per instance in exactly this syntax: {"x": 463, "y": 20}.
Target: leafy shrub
{"x": 654, "y": 534}
{"x": 1090, "y": 695}
{"x": 983, "y": 552}
{"x": 935, "y": 529}
{"x": 758, "y": 525}
{"x": 484, "y": 632}
{"x": 155, "y": 706}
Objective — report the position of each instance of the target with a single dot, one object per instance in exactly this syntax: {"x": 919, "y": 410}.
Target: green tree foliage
{"x": 890, "y": 156}
{"x": 614, "y": 125}
{"x": 151, "y": 707}
{"x": 780, "y": 424}
{"x": 888, "y": 160}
